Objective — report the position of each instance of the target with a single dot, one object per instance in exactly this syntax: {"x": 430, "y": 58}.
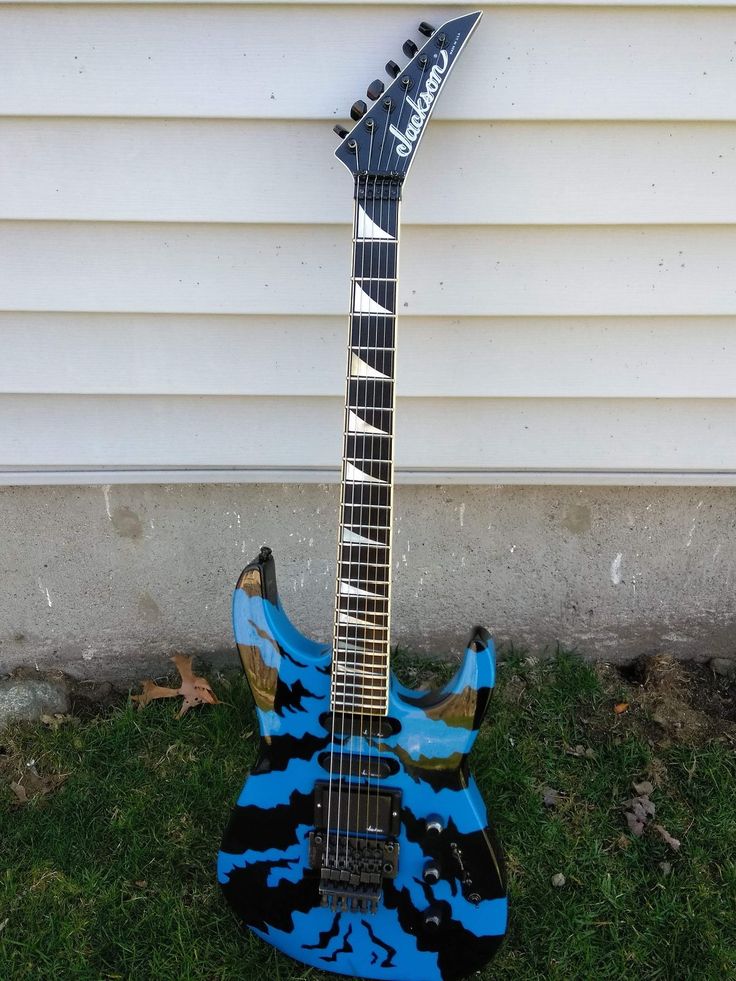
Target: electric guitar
{"x": 360, "y": 843}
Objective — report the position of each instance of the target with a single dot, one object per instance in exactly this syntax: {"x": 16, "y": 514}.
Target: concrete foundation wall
{"x": 106, "y": 582}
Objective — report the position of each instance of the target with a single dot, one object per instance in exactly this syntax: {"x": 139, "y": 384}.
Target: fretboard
{"x": 360, "y": 671}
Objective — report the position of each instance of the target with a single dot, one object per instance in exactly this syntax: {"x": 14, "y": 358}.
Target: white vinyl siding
{"x": 175, "y": 243}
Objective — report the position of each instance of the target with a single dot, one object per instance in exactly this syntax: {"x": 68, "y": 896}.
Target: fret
{"x": 360, "y": 278}
{"x": 365, "y": 394}
{"x": 372, "y": 693}
{"x": 356, "y": 632}
{"x": 374, "y": 608}
{"x": 362, "y": 624}
{"x": 368, "y": 496}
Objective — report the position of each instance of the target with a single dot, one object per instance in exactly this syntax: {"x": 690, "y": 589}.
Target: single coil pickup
{"x": 359, "y": 765}
{"x": 345, "y": 807}
{"x": 344, "y": 724}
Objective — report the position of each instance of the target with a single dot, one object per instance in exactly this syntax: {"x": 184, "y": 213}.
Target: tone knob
{"x": 426, "y": 29}
{"x": 375, "y": 89}
{"x": 409, "y": 48}
{"x": 434, "y": 826}
{"x": 341, "y": 131}
{"x": 433, "y": 918}
{"x": 392, "y": 69}
{"x": 358, "y": 109}
{"x": 431, "y": 873}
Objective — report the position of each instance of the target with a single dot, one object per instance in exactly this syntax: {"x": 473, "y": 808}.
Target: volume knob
{"x": 431, "y": 873}
{"x": 434, "y": 826}
{"x": 433, "y": 918}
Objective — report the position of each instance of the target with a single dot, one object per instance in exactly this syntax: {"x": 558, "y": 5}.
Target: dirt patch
{"x": 671, "y": 700}
{"x": 91, "y": 698}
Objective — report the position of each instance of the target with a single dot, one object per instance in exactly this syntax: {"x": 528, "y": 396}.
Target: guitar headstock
{"x": 384, "y": 138}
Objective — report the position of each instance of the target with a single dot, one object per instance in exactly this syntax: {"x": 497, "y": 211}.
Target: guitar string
{"x": 359, "y": 345}
{"x": 339, "y": 570}
{"x": 393, "y": 230}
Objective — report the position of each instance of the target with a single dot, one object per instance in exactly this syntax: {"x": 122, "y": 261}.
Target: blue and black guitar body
{"x": 419, "y": 893}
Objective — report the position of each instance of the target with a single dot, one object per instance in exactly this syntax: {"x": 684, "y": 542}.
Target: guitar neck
{"x": 361, "y": 658}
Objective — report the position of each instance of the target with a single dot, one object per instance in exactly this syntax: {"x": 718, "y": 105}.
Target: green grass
{"x": 113, "y": 875}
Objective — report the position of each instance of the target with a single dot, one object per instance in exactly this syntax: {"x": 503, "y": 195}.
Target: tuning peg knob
{"x": 375, "y": 89}
{"x": 392, "y": 69}
{"x": 358, "y": 109}
{"x": 340, "y": 130}
{"x": 409, "y": 48}
{"x": 426, "y": 29}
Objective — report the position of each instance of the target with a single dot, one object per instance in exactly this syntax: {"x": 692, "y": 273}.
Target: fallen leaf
{"x": 19, "y": 792}
{"x": 641, "y": 806}
{"x": 32, "y": 784}
{"x": 666, "y": 867}
{"x": 644, "y": 788}
{"x": 580, "y": 751}
{"x": 57, "y": 720}
{"x": 194, "y": 689}
{"x": 636, "y": 825}
{"x": 558, "y": 880}
{"x": 621, "y": 707}
{"x": 666, "y": 836}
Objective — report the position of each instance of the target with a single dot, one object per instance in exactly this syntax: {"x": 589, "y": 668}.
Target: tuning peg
{"x": 340, "y": 130}
{"x": 358, "y": 109}
{"x": 426, "y": 29}
{"x": 409, "y": 48}
{"x": 392, "y": 69}
{"x": 375, "y": 89}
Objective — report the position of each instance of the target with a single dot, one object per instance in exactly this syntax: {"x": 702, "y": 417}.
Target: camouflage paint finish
{"x": 263, "y": 862}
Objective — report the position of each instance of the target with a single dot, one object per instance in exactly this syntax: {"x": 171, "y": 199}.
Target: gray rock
{"x": 28, "y": 699}
{"x": 723, "y": 666}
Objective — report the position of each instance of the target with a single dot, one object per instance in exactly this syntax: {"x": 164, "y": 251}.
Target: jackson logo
{"x": 421, "y": 108}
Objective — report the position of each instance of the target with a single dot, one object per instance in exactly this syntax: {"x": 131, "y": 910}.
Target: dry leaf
{"x": 19, "y": 792}
{"x": 644, "y": 788}
{"x": 666, "y": 867}
{"x": 636, "y": 825}
{"x": 32, "y": 784}
{"x": 58, "y": 719}
{"x": 621, "y": 707}
{"x": 666, "y": 836}
{"x": 580, "y": 751}
{"x": 194, "y": 689}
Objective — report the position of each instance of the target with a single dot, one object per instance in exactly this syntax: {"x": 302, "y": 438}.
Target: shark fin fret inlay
{"x": 357, "y": 476}
{"x": 361, "y": 369}
{"x": 367, "y": 228}
{"x": 363, "y": 303}
{"x": 358, "y": 425}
